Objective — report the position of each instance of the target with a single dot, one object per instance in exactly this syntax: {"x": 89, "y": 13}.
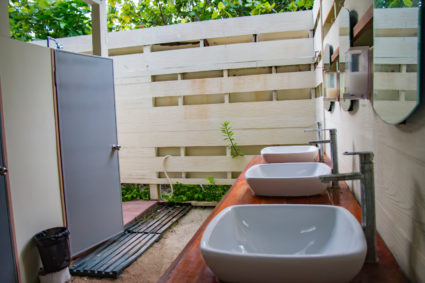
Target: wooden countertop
{"x": 189, "y": 266}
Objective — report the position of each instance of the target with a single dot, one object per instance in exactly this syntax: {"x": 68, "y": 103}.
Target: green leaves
{"x": 134, "y": 192}
{"x": 228, "y": 134}
{"x": 211, "y": 192}
{"x": 395, "y": 3}
{"x": 36, "y": 19}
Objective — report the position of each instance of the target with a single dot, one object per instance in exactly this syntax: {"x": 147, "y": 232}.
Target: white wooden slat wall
{"x": 173, "y": 102}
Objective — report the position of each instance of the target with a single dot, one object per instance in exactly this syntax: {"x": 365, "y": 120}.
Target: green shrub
{"x": 134, "y": 192}
{"x": 211, "y": 192}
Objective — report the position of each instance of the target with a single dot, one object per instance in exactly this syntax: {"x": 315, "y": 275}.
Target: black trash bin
{"x": 53, "y": 246}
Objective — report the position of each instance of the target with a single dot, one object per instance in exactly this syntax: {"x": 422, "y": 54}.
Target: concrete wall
{"x": 25, "y": 73}
{"x": 399, "y": 169}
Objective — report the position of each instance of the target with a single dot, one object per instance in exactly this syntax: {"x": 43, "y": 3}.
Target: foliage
{"x": 395, "y": 3}
{"x": 35, "y": 19}
{"x": 129, "y": 14}
{"x": 228, "y": 136}
{"x": 134, "y": 192}
{"x": 211, "y": 192}
{"x": 39, "y": 18}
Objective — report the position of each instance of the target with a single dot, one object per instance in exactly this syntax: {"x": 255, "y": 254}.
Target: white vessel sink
{"x": 284, "y": 243}
{"x": 287, "y": 179}
{"x": 296, "y": 153}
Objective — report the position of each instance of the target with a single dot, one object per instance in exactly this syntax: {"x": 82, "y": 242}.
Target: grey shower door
{"x": 87, "y": 127}
{"x": 8, "y": 272}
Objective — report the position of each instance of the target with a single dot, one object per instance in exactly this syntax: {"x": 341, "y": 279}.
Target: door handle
{"x": 116, "y": 147}
{"x": 3, "y": 171}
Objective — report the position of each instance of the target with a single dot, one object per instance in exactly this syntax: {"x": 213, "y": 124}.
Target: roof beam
{"x": 99, "y": 26}
{"x": 93, "y": 2}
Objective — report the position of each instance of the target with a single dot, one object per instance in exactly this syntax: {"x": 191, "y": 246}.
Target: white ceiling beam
{"x": 92, "y": 2}
{"x": 99, "y": 26}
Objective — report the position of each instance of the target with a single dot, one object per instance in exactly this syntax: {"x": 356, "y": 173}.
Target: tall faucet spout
{"x": 341, "y": 177}
{"x": 319, "y": 142}
{"x": 366, "y": 176}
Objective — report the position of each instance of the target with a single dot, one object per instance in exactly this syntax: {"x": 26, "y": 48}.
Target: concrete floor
{"x": 153, "y": 263}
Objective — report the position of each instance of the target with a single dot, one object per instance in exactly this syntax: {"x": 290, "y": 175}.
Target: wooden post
{"x": 180, "y": 98}
{"x": 99, "y": 28}
{"x": 4, "y": 19}
{"x": 183, "y": 153}
{"x": 147, "y": 48}
{"x": 274, "y": 92}
{"x": 154, "y": 191}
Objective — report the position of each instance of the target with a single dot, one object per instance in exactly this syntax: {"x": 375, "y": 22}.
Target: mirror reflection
{"x": 395, "y": 59}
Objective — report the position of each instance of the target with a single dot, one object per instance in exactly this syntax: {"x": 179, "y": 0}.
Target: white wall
{"x": 399, "y": 171}
{"x": 25, "y": 73}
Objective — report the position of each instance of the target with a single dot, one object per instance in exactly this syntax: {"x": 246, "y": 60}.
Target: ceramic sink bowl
{"x": 284, "y": 243}
{"x": 287, "y": 179}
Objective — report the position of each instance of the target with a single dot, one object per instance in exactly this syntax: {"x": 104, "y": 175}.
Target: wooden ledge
{"x": 189, "y": 266}
{"x": 365, "y": 22}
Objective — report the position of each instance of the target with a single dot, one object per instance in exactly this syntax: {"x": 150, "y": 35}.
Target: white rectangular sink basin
{"x": 296, "y": 153}
{"x": 287, "y": 179}
{"x": 284, "y": 243}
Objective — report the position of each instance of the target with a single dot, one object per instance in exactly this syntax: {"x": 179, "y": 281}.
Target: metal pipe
{"x": 334, "y": 153}
{"x": 321, "y": 146}
{"x": 366, "y": 177}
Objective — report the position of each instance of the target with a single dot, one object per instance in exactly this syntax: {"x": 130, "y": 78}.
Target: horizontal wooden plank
{"x": 395, "y": 50}
{"x": 401, "y": 81}
{"x": 274, "y": 114}
{"x": 191, "y": 181}
{"x": 327, "y": 8}
{"x": 215, "y": 137}
{"x": 244, "y": 55}
{"x": 186, "y": 163}
{"x": 261, "y": 24}
{"x": 264, "y": 82}
{"x": 395, "y": 18}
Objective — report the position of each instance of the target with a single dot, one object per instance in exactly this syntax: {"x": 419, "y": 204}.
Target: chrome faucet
{"x": 319, "y": 131}
{"x": 334, "y": 150}
{"x": 366, "y": 177}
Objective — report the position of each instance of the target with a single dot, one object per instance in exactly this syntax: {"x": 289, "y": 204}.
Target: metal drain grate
{"x": 160, "y": 220}
{"x": 111, "y": 258}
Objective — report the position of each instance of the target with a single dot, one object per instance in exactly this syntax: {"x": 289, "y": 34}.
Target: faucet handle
{"x": 364, "y": 155}
{"x": 358, "y": 153}
{"x": 317, "y": 130}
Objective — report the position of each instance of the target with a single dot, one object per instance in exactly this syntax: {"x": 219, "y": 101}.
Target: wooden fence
{"x": 176, "y": 85}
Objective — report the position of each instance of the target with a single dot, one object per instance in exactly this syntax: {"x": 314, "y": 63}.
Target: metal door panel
{"x": 87, "y": 125}
{"x": 8, "y": 272}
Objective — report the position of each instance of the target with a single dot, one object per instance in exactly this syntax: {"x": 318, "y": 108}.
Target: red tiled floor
{"x": 132, "y": 209}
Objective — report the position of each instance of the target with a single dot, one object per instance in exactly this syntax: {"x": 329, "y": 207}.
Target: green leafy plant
{"x": 36, "y": 19}
{"x": 395, "y": 3}
{"x": 134, "y": 192}
{"x": 211, "y": 192}
{"x": 228, "y": 134}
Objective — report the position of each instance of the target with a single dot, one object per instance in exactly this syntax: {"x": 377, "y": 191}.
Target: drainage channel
{"x": 112, "y": 257}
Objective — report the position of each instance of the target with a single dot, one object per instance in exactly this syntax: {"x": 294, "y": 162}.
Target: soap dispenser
{"x": 357, "y": 73}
